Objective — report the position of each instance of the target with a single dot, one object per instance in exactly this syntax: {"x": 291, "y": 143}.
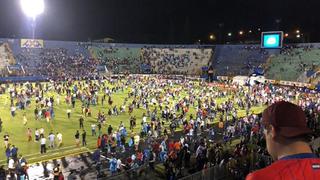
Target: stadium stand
{"x": 294, "y": 63}
{"x": 6, "y": 58}
{"x": 64, "y": 59}
{"x": 177, "y": 60}
{"x": 118, "y": 60}
{"x": 234, "y": 60}
{"x": 60, "y": 59}
{"x": 56, "y": 59}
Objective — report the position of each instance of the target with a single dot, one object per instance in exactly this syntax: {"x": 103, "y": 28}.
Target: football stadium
{"x": 131, "y": 90}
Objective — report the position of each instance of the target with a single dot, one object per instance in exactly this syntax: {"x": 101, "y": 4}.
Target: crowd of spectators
{"x": 294, "y": 62}
{"x": 153, "y": 60}
{"x": 176, "y": 61}
{"x": 232, "y": 60}
{"x": 235, "y": 143}
{"x": 56, "y": 63}
{"x": 118, "y": 60}
{"x": 200, "y": 145}
{"x": 236, "y": 60}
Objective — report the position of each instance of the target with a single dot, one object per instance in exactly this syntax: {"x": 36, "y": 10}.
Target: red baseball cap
{"x": 288, "y": 119}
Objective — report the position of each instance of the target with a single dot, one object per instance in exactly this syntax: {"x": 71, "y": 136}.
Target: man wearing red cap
{"x": 286, "y": 132}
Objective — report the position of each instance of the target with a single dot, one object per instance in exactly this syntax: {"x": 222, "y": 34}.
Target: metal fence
{"x": 141, "y": 173}
{"x": 212, "y": 173}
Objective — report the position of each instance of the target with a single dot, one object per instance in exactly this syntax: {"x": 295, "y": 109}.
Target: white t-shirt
{"x": 43, "y": 141}
{"x": 51, "y": 137}
{"x": 24, "y": 119}
{"x": 191, "y": 132}
{"x": 11, "y": 164}
{"x": 59, "y": 136}
{"x": 13, "y": 108}
{"x": 136, "y": 139}
{"x": 119, "y": 164}
{"x": 182, "y": 140}
{"x": 133, "y": 157}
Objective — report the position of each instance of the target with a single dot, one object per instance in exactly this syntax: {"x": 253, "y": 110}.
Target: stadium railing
{"x": 212, "y": 173}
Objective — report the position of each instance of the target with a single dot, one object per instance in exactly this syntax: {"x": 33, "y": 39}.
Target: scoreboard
{"x": 272, "y": 40}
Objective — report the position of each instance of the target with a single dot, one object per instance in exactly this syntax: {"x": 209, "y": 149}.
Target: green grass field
{"x": 31, "y": 150}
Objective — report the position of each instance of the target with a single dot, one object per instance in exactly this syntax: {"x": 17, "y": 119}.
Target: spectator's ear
{"x": 273, "y": 132}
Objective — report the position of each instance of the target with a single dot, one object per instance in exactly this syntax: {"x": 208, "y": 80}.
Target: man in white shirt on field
{"x": 51, "y": 138}
{"x": 43, "y": 141}
{"x": 11, "y": 166}
{"x": 59, "y": 137}
{"x": 119, "y": 163}
{"x": 144, "y": 119}
{"x": 58, "y": 100}
{"x": 13, "y": 111}
{"x": 93, "y": 130}
{"x": 41, "y": 131}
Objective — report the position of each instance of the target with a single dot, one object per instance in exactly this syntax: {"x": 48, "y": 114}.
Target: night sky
{"x": 162, "y": 21}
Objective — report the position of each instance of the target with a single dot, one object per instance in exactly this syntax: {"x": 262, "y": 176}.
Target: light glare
{"x": 32, "y": 8}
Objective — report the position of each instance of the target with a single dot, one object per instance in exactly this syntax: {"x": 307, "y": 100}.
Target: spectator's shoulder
{"x": 257, "y": 175}
{"x": 267, "y": 173}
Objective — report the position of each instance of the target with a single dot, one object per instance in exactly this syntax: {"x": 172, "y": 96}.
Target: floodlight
{"x": 32, "y": 8}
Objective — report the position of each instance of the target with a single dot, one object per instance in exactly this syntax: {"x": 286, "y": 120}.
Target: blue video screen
{"x": 271, "y": 40}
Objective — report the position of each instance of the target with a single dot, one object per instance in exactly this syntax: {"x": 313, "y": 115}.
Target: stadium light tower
{"x": 32, "y": 9}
